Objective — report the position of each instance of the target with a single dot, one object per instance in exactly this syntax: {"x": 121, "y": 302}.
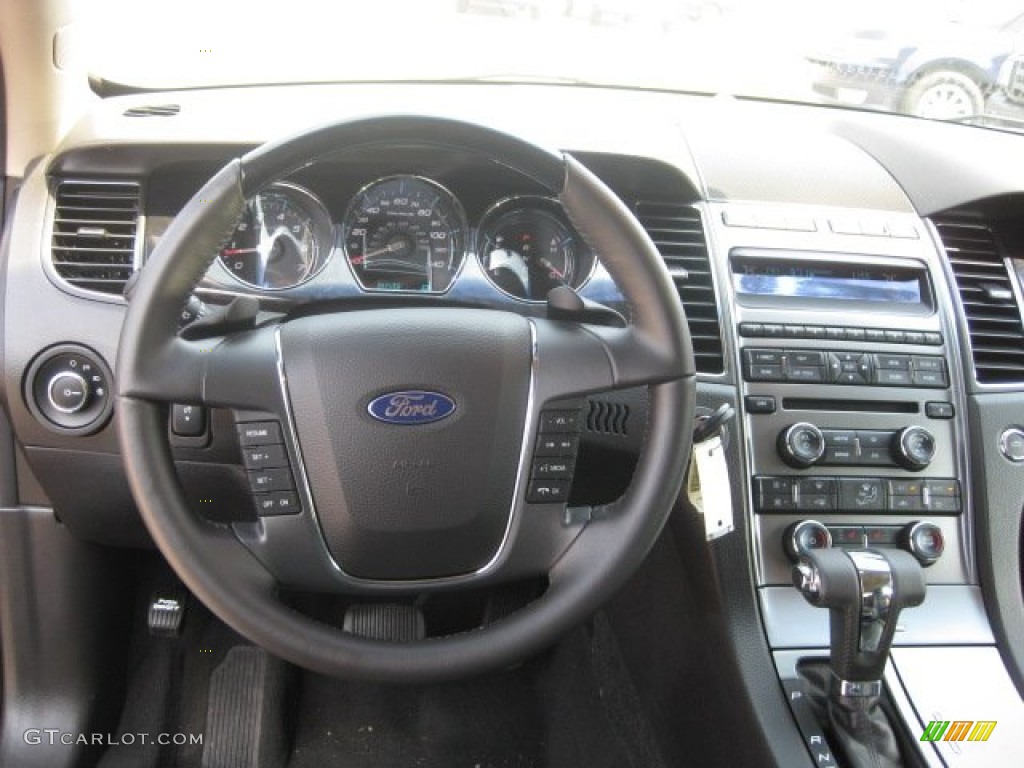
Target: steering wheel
{"x": 394, "y": 508}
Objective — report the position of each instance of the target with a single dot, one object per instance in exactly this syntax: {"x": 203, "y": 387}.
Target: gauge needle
{"x": 237, "y": 251}
{"x": 551, "y": 268}
{"x": 391, "y": 247}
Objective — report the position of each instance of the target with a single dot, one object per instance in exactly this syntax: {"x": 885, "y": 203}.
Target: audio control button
{"x": 841, "y": 454}
{"x": 890, "y": 378}
{"x": 847, "y": 437}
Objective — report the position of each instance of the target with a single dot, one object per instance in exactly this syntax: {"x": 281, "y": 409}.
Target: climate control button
{"x": 804, "y": 536}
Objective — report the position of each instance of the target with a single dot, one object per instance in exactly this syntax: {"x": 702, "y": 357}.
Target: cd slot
{"x": 848, "y": 406}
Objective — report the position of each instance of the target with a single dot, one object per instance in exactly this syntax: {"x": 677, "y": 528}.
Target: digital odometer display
{"x": 404, "y": 233}
{"x": 828, "y": 282}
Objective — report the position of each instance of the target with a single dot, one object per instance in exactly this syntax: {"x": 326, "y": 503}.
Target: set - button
{"x": 266, "y": 463}
{"x": 554, "y": 456}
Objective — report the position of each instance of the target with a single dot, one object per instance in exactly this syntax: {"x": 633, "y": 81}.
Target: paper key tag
{"x": 708, "y": 487}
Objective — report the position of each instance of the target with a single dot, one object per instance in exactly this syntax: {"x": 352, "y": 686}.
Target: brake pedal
{"x": 385, "y": 621}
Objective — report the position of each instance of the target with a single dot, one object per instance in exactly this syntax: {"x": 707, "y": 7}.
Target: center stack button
{"x": 801, "y": 445}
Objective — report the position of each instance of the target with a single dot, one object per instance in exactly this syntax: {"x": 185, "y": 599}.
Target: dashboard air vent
{"x": 678, "y": 232}
{"x": 94, "y": 230}
{"x": 986, "y": 293}
{"x": 153, "y": 110}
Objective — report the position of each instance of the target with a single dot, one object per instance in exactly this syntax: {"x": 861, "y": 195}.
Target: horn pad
{"x": 410, "y": 423}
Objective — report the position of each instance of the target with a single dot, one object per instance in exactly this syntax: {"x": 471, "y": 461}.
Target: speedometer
{"x": 405, "y": 233}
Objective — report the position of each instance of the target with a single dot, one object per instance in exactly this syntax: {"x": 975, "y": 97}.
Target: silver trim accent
{"x": 855, "y": 688}
{"x": 517, "y": 495}
{"x": 785, "y": 442}
{"x": 923, "y": 559}
{"x": 463, "y": 232}
{"x": 523, "y": 203}
{"x": 61, "y": 408}
{"x": 46, "y": 252}
{"x": 322, "y": 225}
{"x": 876, "y": 592}
{"x": 1004, "y": 440}
{"x": 794, "y": 545}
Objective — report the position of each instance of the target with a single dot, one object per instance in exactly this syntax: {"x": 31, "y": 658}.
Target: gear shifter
{"x": 864, "y": 590}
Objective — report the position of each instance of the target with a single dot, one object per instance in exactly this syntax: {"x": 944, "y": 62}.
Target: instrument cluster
{"x": 406, "y": 234}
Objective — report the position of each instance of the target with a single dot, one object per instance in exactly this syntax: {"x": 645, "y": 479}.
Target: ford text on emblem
{"x": 414, "y": 406}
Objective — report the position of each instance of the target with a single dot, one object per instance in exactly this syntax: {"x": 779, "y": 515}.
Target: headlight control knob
{"x": 913, "y": 448}
{"x": 68, "y": 392}
{"x": 800, "y": 445}
{"x": 68, "y": 389}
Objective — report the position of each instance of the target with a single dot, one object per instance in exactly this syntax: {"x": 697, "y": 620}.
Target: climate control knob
{"x": 913, "y": 448}
{"x": 800, "y": 445}
{"x": 924, "y": 541}
{"x": 804, "y": 536}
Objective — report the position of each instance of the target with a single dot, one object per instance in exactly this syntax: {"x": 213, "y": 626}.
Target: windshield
{"x": 944, "y": 59}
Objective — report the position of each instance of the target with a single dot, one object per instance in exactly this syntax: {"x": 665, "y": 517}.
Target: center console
{"x": 855, "y": 433}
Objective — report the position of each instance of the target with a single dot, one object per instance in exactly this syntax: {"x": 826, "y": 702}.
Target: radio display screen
{"x": 829, "y": 282}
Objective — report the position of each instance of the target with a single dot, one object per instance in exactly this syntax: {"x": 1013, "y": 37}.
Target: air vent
{"x": 607, "y": 418}
{"x": 986, "y": 292}
{"x": 678, "y": 232}
{"x": 94, "y": 229}
{"x": 153, "y": 110}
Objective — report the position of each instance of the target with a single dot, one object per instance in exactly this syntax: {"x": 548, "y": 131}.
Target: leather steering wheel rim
{"x": 156, "y": 367}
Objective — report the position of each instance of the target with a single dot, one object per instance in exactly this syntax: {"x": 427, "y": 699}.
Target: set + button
{"x": 266, "y": 462}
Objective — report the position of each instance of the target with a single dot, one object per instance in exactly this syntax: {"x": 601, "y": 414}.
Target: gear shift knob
{"x": 864, "y": 590}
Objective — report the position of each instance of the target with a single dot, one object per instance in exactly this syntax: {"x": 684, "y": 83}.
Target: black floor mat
{"x": 571, "y": 708}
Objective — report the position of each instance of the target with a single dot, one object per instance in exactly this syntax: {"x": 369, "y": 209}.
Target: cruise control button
{"x": 861, "y": 494}
{"x": 264, "y": 457}
{"x": 188, "y": 420}
{"x": 259, "y": 433}
{"x": 543, "y": 491}
{"x": 267, "y": 480}
{"x": 282, "y": 503}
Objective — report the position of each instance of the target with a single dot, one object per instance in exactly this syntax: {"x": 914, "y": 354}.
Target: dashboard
{"x": 853, "y": 287}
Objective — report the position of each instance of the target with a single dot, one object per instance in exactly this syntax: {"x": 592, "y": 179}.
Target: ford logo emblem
{"x": 412, "y": 406}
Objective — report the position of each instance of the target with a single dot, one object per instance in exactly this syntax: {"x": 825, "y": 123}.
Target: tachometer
{"x": 405, "y": 233}
{"x": 282, "y": 239}
{"x": 527, "y": 247}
